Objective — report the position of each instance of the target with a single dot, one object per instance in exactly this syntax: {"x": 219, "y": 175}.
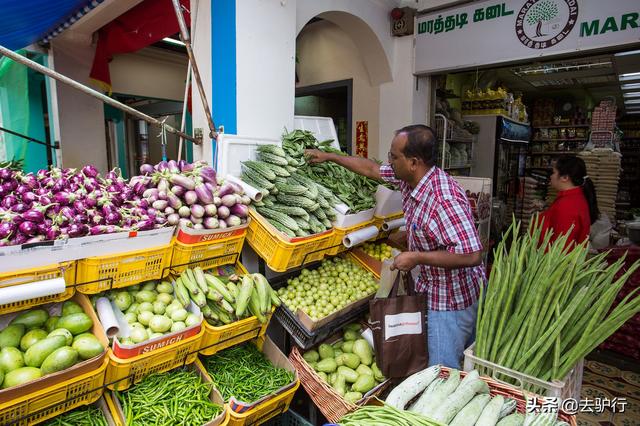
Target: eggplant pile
{"x": 191, "y": 195}
{"x": 61, "y": 203}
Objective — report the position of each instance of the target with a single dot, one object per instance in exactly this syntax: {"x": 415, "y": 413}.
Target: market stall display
{"x": 335, "y": 285}
{"x": 546, "y": 306}
{"x": 88, "y": 415}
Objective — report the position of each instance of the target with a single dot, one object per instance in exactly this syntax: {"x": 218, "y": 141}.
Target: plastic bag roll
{"x": 393, "y": 224}
{"x": 360, "y": 236}
{"x": 342, "y": 208}
{"x": 251, "y": 192}
{"x": 33, "y": 290}
{"x": 107, "y": 317}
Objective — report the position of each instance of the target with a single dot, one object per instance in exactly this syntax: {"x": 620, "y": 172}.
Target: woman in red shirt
{"x": 576, "y": 203}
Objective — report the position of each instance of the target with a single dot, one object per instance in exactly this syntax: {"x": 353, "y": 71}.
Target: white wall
{"x": 150, "y": 72}
{"x": 265, "y": 46}
{"x": 326, "y": 53}
{"x": 80, "y": 117}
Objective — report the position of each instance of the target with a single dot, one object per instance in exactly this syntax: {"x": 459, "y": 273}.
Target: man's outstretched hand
{"x": 315, "y": 156}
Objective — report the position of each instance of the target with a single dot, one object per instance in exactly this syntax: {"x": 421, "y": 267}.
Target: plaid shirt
{"x": 438, "y": 217}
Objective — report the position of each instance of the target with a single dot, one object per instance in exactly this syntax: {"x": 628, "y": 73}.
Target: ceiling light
{"x": 173, "y": 41}
{"x": 632, "y": 101}
{"x": 631, "y": 94}
{"x": 630, "y": 86}
{"x": 632, "y": 52}
{"x": 629, "y": 76}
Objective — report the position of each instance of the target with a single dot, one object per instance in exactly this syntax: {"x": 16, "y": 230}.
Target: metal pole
{"x": 187, "y": 86}
{"x": 89, "y": 91}
{"x": 184, "y": 36}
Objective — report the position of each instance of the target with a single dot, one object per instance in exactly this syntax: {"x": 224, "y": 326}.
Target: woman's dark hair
{"x": 576, "y": 170}
{"x": 421, "y": 143}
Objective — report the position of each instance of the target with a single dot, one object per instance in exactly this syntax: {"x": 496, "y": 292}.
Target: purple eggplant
{"x": 90, "y": 171}
{"x": 172, "y": 166}
{"x": 20, "y": 207}
{"x": 21, "y": 189}
{"x": 195, "y": 220}
{"x": 163, "y": 185}
{"x": 173, "y": 200}
{"x": 184, "y": 211}
{"x": 52, "y": 233}
{"x": 204, "y": 194}
{"x": 197, "y": 211}
{"x": 211, "y": 223}
{"x": 208, "y": 174}
{"x": 7, "y": 228}
{"x": 64, "y": 198}
{"x": 9, "y": 201}
{"x": 222, "y": 224}
{"x": 178, "y": 190}
{"x": 229, "y": 200}
{"x": 173, "y": 219}
{"x": 145, "y": 225}
{"x": 228, "y": 188}
{"x": 29, "y": 197}
{"x": 33, "y": 215}
{"x": 223, "y": 212}
{"x": 146, "y": 169}
{"x": 160, "y": 204}
{"x": 162, "y": 195}
{"x": 160, "y": 220}
{"x": 181, "y": 164}
{"x": 186, "y": 223}
{"x": 183, "y": 181}
{"x": 190, "y": 197}
{"x": 210, "y": 210}
{"x": 5, "y": 174}
{"x": 113, "y": 218}
{"x": 28, "y": 228}
{"x": 77, "y": 230}
{"x": 239, "y": 210}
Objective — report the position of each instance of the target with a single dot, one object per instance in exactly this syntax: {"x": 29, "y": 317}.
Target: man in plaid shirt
{"x": 442, "y": 238}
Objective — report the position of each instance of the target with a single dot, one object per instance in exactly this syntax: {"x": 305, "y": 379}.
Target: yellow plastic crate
{"x": 54, "y": 400}
{"x": 340, "y": 233}
{"x": 122, "y": 373}
{"x": 281, "y": 255}
{"x": 379, "y": 220}
{"x": 206, "y": 255}
{"x": 97, "y": 274}
{"x": 24, "y": 276}
{"x": 218, "y": 338}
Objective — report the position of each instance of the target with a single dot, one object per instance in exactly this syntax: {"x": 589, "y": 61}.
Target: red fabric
{"x": 569, "y": 208}
{"x": 438, "y": 217}
{"x": 141, "y": 26}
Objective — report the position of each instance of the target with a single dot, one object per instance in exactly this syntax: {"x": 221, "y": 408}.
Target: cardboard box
{"x": 194, "y": 236}
{"x": 350, "y": 220}
{"x": 215, "y": 397}
{"x": 50, "y": 252}
{"x": 388, "y": 202}
{"x": 84, "y": 367}
{"x": 371, "y": 263}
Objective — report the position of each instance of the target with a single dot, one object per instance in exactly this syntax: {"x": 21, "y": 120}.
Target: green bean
{"x": 89, "y": 415}
{"x": 163, "y": 399}
{"x": 245, "y": 373}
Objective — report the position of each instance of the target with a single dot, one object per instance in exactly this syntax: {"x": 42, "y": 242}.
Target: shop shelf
{"x": 281, "y": 255}
{"x": 66, "y": 270}
{"x": 97, "y": 274}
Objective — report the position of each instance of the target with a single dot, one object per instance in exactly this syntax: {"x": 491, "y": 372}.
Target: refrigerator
{"x": 500, "y": 154}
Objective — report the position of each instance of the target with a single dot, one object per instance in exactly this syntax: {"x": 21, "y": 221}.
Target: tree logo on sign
{"x": 541, "y": 24}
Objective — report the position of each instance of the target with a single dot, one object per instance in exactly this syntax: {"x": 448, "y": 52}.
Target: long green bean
{"x": 179, "y": 397}
{"x": 88, "y": 415}
{"x": 385, "y": 415}
{"x": 245, "y": 373}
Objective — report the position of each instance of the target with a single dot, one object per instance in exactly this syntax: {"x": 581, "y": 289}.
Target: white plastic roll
{"x": 107, "y": 317}
{"x": 393, "y": 224}
{"x": 367, "y": 335}
{"x": 33, "y": 290}
{"x": 360, "y": 236}
{"x": 251, "y": 192}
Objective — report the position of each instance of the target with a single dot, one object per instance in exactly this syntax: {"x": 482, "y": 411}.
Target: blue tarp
{"x": 27, "y": 21}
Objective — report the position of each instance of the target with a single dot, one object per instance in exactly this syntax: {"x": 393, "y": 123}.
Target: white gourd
{"x": 412, "y": 386}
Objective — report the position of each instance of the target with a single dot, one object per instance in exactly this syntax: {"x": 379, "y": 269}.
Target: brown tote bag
{"x": 399, "y": 330}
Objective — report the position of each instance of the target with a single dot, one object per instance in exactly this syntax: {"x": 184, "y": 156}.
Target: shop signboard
{"x": 362, "y": 138}
{"x": 493, "y": 32}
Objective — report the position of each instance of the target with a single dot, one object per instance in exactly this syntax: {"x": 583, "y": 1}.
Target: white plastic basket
{"x": 570, "y": 387}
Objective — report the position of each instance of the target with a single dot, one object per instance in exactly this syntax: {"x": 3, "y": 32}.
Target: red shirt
{"x": 569, "y": 208}
{"x": 438, "y": 217}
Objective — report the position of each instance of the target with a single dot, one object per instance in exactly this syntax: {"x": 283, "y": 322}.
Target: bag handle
{"x": 407, "y": 278}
